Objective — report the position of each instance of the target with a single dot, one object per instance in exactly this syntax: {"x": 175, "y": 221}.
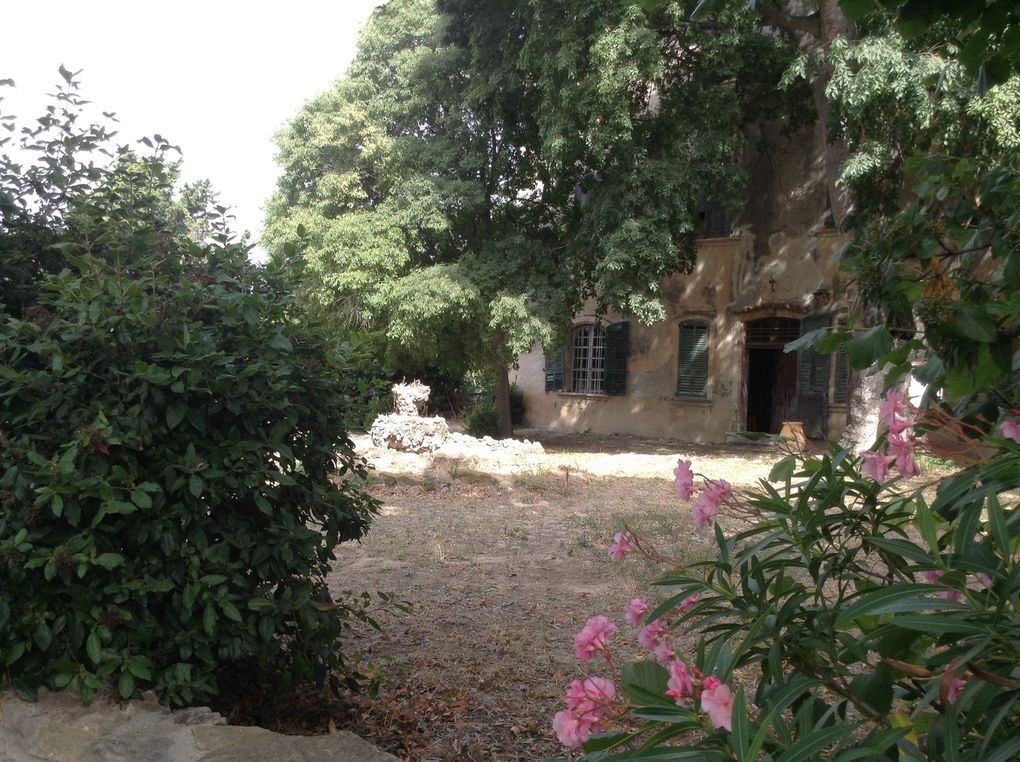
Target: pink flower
{"x": 984, "y": 580}
{"x": 704, "y": 510}
{"x": 932, "y": 577}
{"x": 593, "y": 638}
{"x": 720, "y": 489}
{"x": 636, "y": 610}
{"x": 707, "y": 506}
{"x": 955, "y": 689}
{"x": 680, "y": 684}
{"x": 877, "y": 466}
{"x": 717, "y": 702}
{"x": 621, "y": 546}
{"x": 688, "y": 603}
{"x": 907, "y": 466}
{"x": 1011, "y": 430}
{"x": 573, "y": 730}
{"x": 663, "y": 653}
{"x": 890, "y": 406}
{"x": 651, "y": 634}
{"x": 684, "y": 479}
{"x": 590, "y": 698}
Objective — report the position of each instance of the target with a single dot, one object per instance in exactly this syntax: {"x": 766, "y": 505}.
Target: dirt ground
{"x": 503, "y": 561}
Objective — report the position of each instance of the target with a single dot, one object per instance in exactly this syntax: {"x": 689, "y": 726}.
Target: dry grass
{"x": 503, "y": 564}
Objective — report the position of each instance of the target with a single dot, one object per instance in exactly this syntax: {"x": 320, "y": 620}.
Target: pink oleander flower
{"x": 983, "y": 579}
{"x": 955, "y": 689}
{"x": 707, "y": 506}
{"x": 651, "y": 634}
{"x": 621, "y": 546}
{"x": 680, "y": 684}
{"x": 889, "y": 408}
{"x": 636, "y": 610}
{"x": 593, "y": 638}
{"x": 932, "y": 577}
{"x": 573, "y": 730}
{"x": 717, "y": 703}
{"x": 907, "y": 466}
{"x": 663, "y": 653}
{"x": 1011, "y": 430}
{"x": 590, "y": 698}
{"x": 688, "y": 603}
{"x": 684, "y": 479}
{"x": 877, "y": 466}
{"x": 720, "y": 489}
{"x": 705, "y": 509}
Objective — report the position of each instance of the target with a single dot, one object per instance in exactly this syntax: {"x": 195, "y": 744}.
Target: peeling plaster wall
{"x": 779, "y": 258}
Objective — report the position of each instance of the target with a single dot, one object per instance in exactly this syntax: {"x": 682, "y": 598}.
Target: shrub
{"x": 846, "y": 618}
{"x": 169, "y": 440}
{"x": 483, "y": 421}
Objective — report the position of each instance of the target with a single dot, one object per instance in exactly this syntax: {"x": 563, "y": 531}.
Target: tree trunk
{"x": 862, "y": 420}
{"x": 502, "y": 389}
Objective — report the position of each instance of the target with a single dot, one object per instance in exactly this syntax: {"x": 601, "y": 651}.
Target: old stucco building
{"x": 716, "y": 365}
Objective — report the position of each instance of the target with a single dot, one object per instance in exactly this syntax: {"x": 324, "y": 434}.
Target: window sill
{"x": 585, "y": 395}
{"x": 693, "y": 401}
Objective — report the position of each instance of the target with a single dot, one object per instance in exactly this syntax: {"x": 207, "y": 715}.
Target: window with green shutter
{"x": 617, "y": 350}
{"x": 692, "y": 376}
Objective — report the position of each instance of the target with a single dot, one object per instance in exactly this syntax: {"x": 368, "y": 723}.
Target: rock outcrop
{"x": 58, "y": 727}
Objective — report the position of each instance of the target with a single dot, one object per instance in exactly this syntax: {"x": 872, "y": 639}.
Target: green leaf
{"x": 808, "y": 745}
{"x": 783, "y": 470}
{"x": 94, "y": 647}
{"x": 896, "y": 598}
{"x": 126, "y": 685}
{"x": 230, "y": 611}
{"x": 43, "y": 636}
{"x": 280, "y": 342}
{"x": 644, "y": 682}
{"x": 141, "y": 498}
{"x": 14, "y": 653}
{"x": 109, "y": 560}
{"x": 740, "y": 739}
{"x": 175, "y": 414}
{"x": 869, "y": 347}
{"x": 874, "y": 688}
{"x": 973, "y": 323}
{"x": 209, "y": 619}
{"x": 196, "y": 485}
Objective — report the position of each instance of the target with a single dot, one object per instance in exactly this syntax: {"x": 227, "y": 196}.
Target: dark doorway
{"x": 771, "y": 390}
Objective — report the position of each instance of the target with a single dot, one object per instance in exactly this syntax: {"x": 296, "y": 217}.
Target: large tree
{"x": 483, "y": 168}
{"x": 421, "y": 198}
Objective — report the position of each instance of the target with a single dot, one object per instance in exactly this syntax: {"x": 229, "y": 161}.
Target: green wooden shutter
{"x": 813, "y": 381}
{"x": 841, "y": 383}
{"x": 554, "y": 371}
{"x": 617, "y": 349}
{"x": 692, "y": 378}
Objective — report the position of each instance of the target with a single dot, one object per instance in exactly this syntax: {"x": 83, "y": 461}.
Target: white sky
{"x": 217, "y": 78}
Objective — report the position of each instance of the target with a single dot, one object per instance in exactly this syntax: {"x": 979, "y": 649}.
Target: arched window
{"x": 692, "y": 373}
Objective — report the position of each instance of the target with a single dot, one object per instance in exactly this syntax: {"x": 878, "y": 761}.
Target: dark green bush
{"x": 169, "y": 443}
{"x": 168, "y": 440}
{"x": 483, "y": 421}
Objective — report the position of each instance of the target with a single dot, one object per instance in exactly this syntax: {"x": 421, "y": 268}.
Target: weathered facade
{"x": 716, "y": 365}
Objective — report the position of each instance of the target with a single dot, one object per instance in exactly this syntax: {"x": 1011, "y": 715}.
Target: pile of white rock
{"x": 406, "y": 429}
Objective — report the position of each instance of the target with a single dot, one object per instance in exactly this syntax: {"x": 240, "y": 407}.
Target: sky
{"x": 217, "y": 78}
